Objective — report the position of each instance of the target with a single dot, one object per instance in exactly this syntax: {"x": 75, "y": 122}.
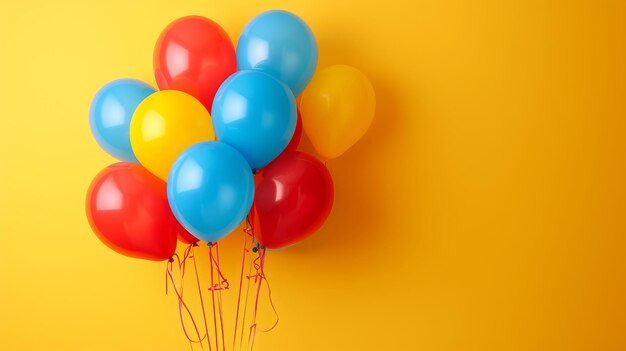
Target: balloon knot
{"x": 171, "y": 259}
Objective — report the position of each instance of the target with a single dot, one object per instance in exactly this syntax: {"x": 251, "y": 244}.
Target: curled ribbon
{"x": 179, "y": 293}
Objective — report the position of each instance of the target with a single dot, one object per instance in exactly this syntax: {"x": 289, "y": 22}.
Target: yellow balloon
{"x": 337, "y": 108}
{"x": 164, "y": 125}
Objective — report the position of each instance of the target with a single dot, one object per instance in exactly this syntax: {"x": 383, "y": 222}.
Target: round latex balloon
{"x": 256, "y": 114}
{"x": 210, "y": 190}
{"x": 194, "y": 55}
{"x": 281, "y": 44}
{"x": 337, "y": 109}
{"x": 128, "y": 210}
{"x": 293, "y": 198}
{"x": 164, "y": 125}
{"x": 111, "y": 111}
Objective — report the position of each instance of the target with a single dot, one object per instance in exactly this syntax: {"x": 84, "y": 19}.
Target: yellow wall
{"x": 484, "y": 210}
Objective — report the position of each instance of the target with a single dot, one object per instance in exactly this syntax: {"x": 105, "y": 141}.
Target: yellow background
{"x": 484, "y": 210}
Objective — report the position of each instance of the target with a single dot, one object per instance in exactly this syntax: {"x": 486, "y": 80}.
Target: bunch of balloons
{"x": 217, "y": 143}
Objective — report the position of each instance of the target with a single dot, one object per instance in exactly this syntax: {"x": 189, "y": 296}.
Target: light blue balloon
{"x": 111, "y": 111}
{"x": 281, "y": 44}
{"x": 256, "y": 114}
{"x": 210, "y": 189}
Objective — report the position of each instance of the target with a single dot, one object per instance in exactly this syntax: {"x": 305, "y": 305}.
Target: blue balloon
{"x": 256, "y": 114}
{"x": 111, "y": 111}
{"x": 281, "y": 44}
{"x": 210, "y": 189}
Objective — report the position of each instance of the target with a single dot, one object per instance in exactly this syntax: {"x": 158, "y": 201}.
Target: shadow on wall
{"x": 365, "y": 190}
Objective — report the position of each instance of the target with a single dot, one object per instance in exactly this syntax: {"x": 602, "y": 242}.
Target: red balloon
{"x": 187, "y": 238}
{"x": 194, "y": 55}
{"x": 297, "y": 135}
{"x": 294, "y": 196}
{"x": 128, "y": 210}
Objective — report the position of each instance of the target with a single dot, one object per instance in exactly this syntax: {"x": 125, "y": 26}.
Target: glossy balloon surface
{"x": 127, "y": 208}
{"x": 281, "y": 44}
{"x": 337, "y": 108}
{"x": 194, "y": 55}
{"x": 210, "y": 190}
{"x": 111, "y": 112}
{"x": 164, "y": 125}
{"x": 256, "y": 114}
{"x": 293, "y": 199}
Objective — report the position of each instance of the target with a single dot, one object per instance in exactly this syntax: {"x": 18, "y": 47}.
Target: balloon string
{"x": 181, "y": 302}
{"x": 215, "y": 259}
{"x": 217, "y": 346}
{"x": 182, "y": 264}
{"x": 269, "y": 294}
{"x": 248, "y": 232}
{"x": 245, "y": 306}
{"x": 182, "y": 277}
{"x": 259, "y": 263}
{"x": 243, "y": 263}
{"x": 195, "y": 267}
{"x": 181, "y": 267}
{"x": 219, "y": 293}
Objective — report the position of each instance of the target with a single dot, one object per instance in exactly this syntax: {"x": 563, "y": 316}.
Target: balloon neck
{"x": 258, "y": 247}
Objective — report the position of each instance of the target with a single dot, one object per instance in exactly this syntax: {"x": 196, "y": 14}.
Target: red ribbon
{"x": 206, "y": 325}
{"x": 259, "y": 276}
{"x": 179, "y": 294}
{"x": 248, "y": 233}
{"x": 222, "y": 285}
{"x": 256, "y": 271}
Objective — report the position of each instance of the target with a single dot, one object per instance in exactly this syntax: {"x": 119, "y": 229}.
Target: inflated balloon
{"x": 128, "y": 210}
{"x": 337, "y": 109}
{"x": 293, "y": 198}
{"x": 111, "y": 111}
{"x": 210, "y": 190}
{"x": 186, "y": 238}
{"x": 194, "y": 55}
{"x": 281, "y": 44}
{"x": 164, "y": 125}
{"x": 297, "y": 135}
{"x": 256, "y": 114}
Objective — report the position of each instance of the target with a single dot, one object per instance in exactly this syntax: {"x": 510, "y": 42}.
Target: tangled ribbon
{"x": 188, "y": 253}
{"x": 253, "y": 252}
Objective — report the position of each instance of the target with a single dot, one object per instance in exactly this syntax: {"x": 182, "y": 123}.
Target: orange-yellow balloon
{"x": 164, "y": 125}
{"x": 337, "y": 109}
